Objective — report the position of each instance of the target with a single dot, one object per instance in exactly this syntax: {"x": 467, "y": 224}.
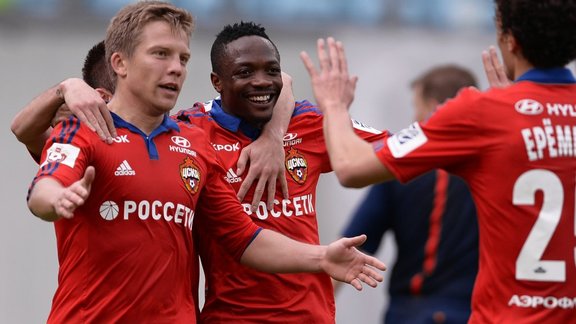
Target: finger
{"x": 242, "y": 161}
{"x": 108, "y": 120}
{"x": 489, "y": 69}
{"x": 64, "y": 213}
{"x": 375, "y": 275}
{"x": 258, "y": 192}
{"x": 245, "y": 186}
{"x": 101, "y": 123}
{"x": 284, "y": 185}
{"x": 375, "y": 263}
{"x": 67, "y": 201}
{"x": 322, "y": 56}
{"x": 92, "y": 120}
{"x": 243, "y": 190}
{"x": 271, "y": 193}
{"x": 334, "y": 54}
{"x": 308, "y": 64}
{"x": 84, "y": 120}
{"x": 343, "y": 62}
{"x": 356, "y": 283}
{"x": 367, "y": 280}
{"x": 500, "y": 72}
{"x": 73, "y": 197}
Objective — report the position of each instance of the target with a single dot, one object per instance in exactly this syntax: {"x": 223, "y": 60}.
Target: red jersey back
{"x": 127, "y": 255}
{"x": 236, "y": 293}
{"x": 516, "y": 148}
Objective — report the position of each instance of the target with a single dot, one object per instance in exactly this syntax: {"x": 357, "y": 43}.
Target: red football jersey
{"x": 127, "y": 255}
{"x": 516, "y": 149}
{"x": 236, "y": 293}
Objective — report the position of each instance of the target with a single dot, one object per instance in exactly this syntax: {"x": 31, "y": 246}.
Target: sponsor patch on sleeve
{"x": 406, "y": 140}
{"x": 363, "y": 127}
{"x": 62, "y": 153}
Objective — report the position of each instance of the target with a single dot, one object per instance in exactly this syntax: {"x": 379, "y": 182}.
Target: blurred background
{"x": 388, "y": 43}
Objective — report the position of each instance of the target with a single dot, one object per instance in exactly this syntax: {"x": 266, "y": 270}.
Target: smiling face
{"x": 250, "y": 79}
{"x": 153, "y": 75}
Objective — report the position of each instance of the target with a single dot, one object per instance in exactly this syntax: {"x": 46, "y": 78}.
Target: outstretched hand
{"x": 88, "y": 105}
{"x": 344, "y": 262}
{"x": 75, "y": 195}
{"x": 332, "y": 85}
{"x": 494, "y": 69}
{"x": 266, "y": 158}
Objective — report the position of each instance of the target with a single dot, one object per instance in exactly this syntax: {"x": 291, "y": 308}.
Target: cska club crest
{"x": 296, "y": 165}
{"x": 190, "y": 175}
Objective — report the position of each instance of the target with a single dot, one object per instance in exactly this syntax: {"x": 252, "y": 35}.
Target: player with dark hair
{"x": 95, "y": 70}
{"x": 124, "y": 238}
{"x": 246, "y": 72}
{"x": 514, "y": 147}
{"x": 433, "y": 220}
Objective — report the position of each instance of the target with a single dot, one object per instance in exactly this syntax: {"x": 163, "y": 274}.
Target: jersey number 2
{"x": 529, "y": 265}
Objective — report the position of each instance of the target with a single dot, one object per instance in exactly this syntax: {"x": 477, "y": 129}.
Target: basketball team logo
{"x": 190, "y": 175}
{"x": 296, "y": 165}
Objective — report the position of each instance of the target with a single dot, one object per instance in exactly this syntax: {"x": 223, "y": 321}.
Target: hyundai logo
{"x": 181, "y": 141}
{"x": 529, "y": 107}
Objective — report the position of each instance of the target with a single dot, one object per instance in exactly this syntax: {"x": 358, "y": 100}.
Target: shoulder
{"x": 306, "y": 107}
{"x": 198, "y": 110}
{"x": 68, "y": 130}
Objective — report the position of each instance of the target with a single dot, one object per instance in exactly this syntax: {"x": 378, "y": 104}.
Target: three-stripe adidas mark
{"x": 232, "y": 177}
{"x": 124, "y": 169}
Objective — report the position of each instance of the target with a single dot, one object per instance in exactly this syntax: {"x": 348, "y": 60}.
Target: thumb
{"x": 88, "y": 178}
{"x": 354, "y": 241}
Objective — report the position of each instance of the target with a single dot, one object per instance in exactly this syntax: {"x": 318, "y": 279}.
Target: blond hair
{"x": 125, "y": 28}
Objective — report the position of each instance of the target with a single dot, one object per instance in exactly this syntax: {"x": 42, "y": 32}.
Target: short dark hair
{"x": 444, "y": 82}
{"x": 544, "y": 29}
{"x": 231, "y": 33}
{"x": 95, "y": 70}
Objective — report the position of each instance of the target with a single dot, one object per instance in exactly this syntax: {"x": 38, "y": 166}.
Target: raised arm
{"x": 32, "y": 124}
{"x": 353, "y": 160}
{"x": 273, "y": 252}
{"x": 266, "y": 154}
{"x": 50, "y": 201}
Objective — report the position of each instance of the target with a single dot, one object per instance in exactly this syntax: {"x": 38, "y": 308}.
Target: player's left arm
{"x": 266, "y": 154}
{"x": 276, "y": 253}
{"x": 353, "y": 160}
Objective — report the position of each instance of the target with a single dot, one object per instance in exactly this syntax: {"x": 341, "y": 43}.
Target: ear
{"x": 511, "y": 43}
{"x": 105, "y": 94}
{"x": 216, "y": 82}
{"x": 118, "y": 64}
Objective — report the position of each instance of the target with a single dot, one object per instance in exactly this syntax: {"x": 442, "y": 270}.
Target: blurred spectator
{"x": 433, "y": 220}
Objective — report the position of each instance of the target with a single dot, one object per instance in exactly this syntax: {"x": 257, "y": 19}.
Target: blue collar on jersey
{"x": 553, "y": 75}
{"x": 166, "y": 125}
{"x": 231, "y": 122}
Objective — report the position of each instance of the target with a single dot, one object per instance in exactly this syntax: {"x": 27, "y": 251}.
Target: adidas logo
{"x": 124, "y": 169}
{"x": 232, "y": 177}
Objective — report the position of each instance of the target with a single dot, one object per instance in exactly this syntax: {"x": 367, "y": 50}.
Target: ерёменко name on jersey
{"x": 549, "y": 140}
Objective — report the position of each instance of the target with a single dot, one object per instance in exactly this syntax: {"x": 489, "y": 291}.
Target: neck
{"x": 253, "y": 123}
{"x": 143, "y": 119}
{"x": 521, "y": 66}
